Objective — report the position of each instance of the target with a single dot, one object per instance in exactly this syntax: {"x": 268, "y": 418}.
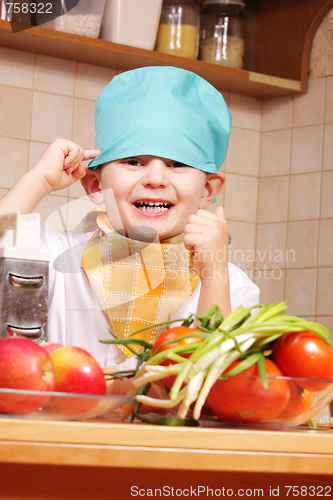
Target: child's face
{"x": 153, "y": 192}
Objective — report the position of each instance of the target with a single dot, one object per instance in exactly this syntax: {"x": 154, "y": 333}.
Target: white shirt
{"x": 75, "y": 317}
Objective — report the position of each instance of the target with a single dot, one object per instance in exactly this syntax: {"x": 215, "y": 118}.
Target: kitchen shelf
{"x": 278, "y": 41}
{"x": 121, "y": 57}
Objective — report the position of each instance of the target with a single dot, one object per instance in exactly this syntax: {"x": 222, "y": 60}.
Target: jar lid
{"x": 240, "y": 3}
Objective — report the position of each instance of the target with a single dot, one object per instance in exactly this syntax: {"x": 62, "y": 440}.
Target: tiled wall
{"x": 279, "y": 169}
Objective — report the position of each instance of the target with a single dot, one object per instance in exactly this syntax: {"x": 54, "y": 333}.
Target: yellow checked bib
{"x": 137, "y": 283}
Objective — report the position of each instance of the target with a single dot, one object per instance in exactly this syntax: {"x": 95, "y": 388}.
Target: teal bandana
{"x": 162, "y": 111}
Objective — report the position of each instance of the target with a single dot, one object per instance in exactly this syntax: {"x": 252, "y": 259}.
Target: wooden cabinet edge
{"x": 101, "y": 53}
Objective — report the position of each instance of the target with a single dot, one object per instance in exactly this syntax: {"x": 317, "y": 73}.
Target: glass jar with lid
{"x": 178, "y": 31}
{"x": 222, "y": 33}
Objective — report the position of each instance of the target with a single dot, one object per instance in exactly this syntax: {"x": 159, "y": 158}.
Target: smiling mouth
{"x": 153, "y": 207}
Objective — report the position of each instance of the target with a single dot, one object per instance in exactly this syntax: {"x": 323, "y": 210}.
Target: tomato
{"x": 174, "y": 334}
{"x": 300, "y": 401}
{"x": 304, "y": 355}
{"x": 245, "y": 399}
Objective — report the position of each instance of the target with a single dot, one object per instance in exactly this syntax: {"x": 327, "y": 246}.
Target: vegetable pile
{"x": 261, "y": 345}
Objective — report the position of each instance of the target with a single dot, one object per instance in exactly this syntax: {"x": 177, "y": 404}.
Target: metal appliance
{"x": 23, "y": 278}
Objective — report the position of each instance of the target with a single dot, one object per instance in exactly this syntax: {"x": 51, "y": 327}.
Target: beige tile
{"x": 300, "y": 291}
{"x": 325, "y": 247}
{"x": 54, "y": 75}
{"x": 241, "y": 198}
{"x": 36, "y": 151}
{"x": 277, "y": 113}
{"x": 76, "y": 190}
{"x": 17, "y": 68}
{"x": 84, "y": 123}
{"x": 3, "y": 192}
{"x": 325, "y": 292}
{"x": 304, "y": 196}
{"x": 309, "y": 107}
{"x": 273, "y": 199}
{"x": 302, "y": 242}
{"x": 271, "y": 285}
{"x": 329, "y": 99}
{"x": 242, "y": 246}
{"x": 306, "y": 149}
{"x": 49, "y": 208}
{"x": 326, "y": 210}
{"x": 326, "y": 321}
{"x": 328, "y": 147}
{"x": 91, "y": 80}
{"x": 14, "y": 156}
{"x": 271, "y": 245}
{"x": 244, "y": 152}
{"x": 246, "y": 111}
{"x": 52, "y": 117}
{"x": 275, "y": 153}
{"x": 15, "y": 116}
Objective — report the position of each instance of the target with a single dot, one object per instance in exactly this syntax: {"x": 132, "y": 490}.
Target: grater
{"x": 23, "y": 278}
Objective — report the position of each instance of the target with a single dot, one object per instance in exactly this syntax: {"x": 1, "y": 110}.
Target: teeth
{"x": 151, "y": 206}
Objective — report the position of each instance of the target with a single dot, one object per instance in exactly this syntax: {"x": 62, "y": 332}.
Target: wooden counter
{"x": 100, "y": 460}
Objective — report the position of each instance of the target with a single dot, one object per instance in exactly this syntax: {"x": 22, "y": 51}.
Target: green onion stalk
{"x": 244, "y": 335}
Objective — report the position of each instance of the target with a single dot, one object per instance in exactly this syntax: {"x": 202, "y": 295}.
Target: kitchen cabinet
{"x": 278, "y": 41}
{"x": 44, "y": 460}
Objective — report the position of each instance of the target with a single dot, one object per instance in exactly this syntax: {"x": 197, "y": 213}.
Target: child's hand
{"x": 60, "y": 165}
{"x": 206, "y": 236}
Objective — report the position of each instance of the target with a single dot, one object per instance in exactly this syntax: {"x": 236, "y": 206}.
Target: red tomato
{"x": 304, "y": 355}
{"x": 300, "y": 401}
{"x": 174, "y": 334}
{"x": 245, "y": 399}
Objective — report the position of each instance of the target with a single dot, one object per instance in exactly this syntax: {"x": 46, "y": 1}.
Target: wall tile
{"x": 17, "y": 68}
{"x": 54, "y": 75}
{"x": 302, "y": 241}
{"x": 15, "y": 112}
{"x": 84, "y": 123}
{"x": 273, "y": 199}
{"x": 328, "y": 147}
{"x": 246, "y": 111}
{"x": 241, "y": 198}
{"x": 242, "y": 246}
{"x": 91, "y": 80}
{"x": 76, "y": 190}
{"x": 271, "y": 285}
{"x": 244, "y": 152}
{"x": 325, "y": 247}
{"x": 309, "y": 107}
{"x": 306, "y": 149}
{"x": 325, "y": 292}
{"x": 329, "y": 99}
{"x": 275, "y": 153}
{"x": 300, "y": 291}
{"x": 277, "y": 113}
{"x": 304, "y": 196}
{"x": 36, "y": 151}
{"x": 14, "y": 156}
{"x": 48, "y": 210}
{"x": 326, "y": 210}
{"x": 271, "y": 245}
{"x": 52, "y": 117}
{"x": 321, "y": 50}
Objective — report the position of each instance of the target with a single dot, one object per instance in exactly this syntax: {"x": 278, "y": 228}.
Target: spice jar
{"x": 178, "y": 31}
{"x": 222, "y": 33}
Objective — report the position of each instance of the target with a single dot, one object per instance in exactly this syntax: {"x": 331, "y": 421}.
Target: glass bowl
{"x": 58, "y": 405}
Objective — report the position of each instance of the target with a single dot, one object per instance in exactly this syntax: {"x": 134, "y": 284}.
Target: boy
{"x": 162, "y": 134}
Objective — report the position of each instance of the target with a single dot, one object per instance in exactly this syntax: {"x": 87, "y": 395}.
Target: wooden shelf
{"x": 121, "y": 57}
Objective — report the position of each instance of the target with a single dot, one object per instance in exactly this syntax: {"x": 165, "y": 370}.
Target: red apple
{"x": 51, "y": 346}
{"x": 76, "y": 371}
{"x": 24, "y": 365}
